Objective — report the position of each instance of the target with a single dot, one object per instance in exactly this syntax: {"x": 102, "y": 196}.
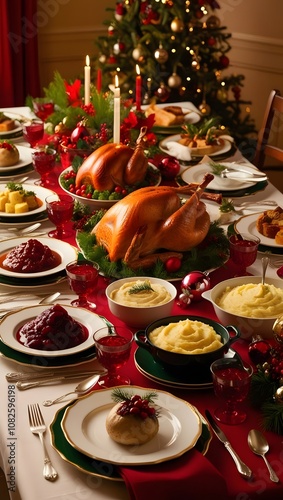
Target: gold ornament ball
{"x": 174, "y": 81}
{"x": 278, "y": 330}
{"x": 161, "y": 55}
{"x": 278, "y": 396}
{"x": 213, "y": 22}
{"x": 177, "y": 25}
{"x": 204, "y": 108}
{"x": 137, "y": 53}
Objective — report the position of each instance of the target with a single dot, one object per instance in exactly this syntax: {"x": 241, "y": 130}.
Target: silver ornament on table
{"x": 278, "y": 330}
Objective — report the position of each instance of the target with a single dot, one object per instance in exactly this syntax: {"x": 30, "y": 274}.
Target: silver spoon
{"x": 25, "y": 230}
{"x": 264, "y": 263}
{"x": 81, "y": 389}
{"x": 46, "y": 300}
{"x": 259, "y": 446}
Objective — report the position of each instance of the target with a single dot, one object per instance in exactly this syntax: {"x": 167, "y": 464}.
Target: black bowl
{"x": 183, "y": 364}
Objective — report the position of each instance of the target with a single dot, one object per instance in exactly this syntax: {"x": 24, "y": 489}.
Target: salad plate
{"x": 227, "y": 145}
{"x": 97, "y": 468}
{"x": 40, "y": 192}
{"x": 83, "y": 425}
{"x": 13, "y": 321}
{"x": 65, "y": 252}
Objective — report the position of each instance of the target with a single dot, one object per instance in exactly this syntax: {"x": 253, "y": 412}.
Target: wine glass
{"x": 83, "y": 276}
{"x": 33, "y": 132}
{"x": 59, "y": 210}
{"x": 243, "y": 250}
{"x": 231, "y": 383}
{"x": 113, "y": 345}
{"x": 43, "y": 159}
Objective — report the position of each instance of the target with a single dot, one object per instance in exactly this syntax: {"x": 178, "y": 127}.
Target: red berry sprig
{"x": 6, "y": 145}
{"x": 135, "y": 405}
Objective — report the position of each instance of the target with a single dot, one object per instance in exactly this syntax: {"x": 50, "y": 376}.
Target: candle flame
{"x": 116, "y": 81}
{"x": 138, "y": 69}
{"x": 87, "y": 61}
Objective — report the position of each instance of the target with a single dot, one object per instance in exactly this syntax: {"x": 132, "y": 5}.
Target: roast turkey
{"x": 152, "y": 223}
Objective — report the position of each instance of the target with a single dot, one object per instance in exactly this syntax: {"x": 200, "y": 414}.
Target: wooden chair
{"x": 272, "y": 127}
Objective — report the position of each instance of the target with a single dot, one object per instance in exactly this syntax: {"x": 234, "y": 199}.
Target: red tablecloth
{"x": 260, "y": 486}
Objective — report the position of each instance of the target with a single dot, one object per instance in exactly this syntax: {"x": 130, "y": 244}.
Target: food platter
{"x": 197, "y": 172}
{"x": 11, "y": 323}
{"x": 97, "y": 468}
{"x": 66, "y": 253}
{"x": 192, "y": 115}
{"x": 227, "y": 145}
{"x": 97, "y": 204}
{"x": 84, "y": 428}
{"x": 40, "y": 192}
{"x": 11, "y": 134}
{"x": 24, "y": 161}
{"x": 247, "y": 224}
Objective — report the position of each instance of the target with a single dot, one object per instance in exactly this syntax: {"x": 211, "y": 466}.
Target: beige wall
{"x": 67, "y": 34}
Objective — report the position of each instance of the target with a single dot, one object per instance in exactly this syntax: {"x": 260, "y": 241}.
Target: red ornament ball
{"x": 259, "y": 351}
{"x": 192, "y": 286}
{"x": 169, "y": 167}
{"x": 224, "y": 62}
{"x": 173, "y": 264}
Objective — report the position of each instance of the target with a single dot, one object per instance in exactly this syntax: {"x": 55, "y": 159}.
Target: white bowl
{"x": 140, "y": 317}
{"x": 247, "y": 326}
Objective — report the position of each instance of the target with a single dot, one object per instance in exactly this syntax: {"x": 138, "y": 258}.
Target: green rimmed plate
{"x": 102, "y": 469}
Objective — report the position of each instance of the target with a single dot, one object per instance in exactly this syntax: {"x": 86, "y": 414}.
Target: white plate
{"x": 40, "y": 192}
{"x": 15, "y": 130}
{"x": 197, "y": 172}
{"x": 247, "y": 224}
{"x": 192, "y": 114}
{"x": 11, "y": 323}
{"x": 66, "y": 252}
{"x": 83, "y": 425}
{"x": 175, "y": 138}
{"x": 25, "y": 159}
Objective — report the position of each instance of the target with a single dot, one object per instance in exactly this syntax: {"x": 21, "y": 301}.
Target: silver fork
{"x": 37, "y": 426}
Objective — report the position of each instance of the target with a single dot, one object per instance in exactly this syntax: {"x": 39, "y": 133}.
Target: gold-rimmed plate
{"x": 83, "y": 425}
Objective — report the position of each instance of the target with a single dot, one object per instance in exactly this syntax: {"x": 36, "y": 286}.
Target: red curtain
{"x": 19, "y": 72}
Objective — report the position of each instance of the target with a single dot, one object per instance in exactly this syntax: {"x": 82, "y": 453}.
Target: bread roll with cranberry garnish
{"x": 9, "y": 154}
{"x": 132, "y": 422}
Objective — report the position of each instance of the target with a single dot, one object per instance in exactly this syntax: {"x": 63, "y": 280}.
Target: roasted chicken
{"x": 152, "y": 223}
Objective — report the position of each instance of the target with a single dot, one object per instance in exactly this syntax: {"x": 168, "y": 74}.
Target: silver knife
{"x": 242, "y": 468}
{"x": 242, "y": 176}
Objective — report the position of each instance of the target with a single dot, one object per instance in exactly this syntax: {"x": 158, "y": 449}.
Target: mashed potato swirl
{"x": 132, "y": 294}
{"x": 252, "y": 300}
{"x": 186, "y": 337}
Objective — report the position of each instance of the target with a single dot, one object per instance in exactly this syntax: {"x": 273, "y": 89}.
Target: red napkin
{"x": 190, "y": 475}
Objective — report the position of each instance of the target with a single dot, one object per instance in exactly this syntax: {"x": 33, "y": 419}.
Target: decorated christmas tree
{"x": 180, "y": 49}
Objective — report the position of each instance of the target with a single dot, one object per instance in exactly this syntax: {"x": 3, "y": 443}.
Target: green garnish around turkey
{"x": 145, "y": 286}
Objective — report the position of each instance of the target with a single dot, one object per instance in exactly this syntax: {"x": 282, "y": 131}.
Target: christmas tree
{"x": 180, "y": 49}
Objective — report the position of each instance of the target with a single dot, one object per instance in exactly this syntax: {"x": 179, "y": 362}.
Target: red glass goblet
{"x": 44, "y": 161}
{"x": 42, "y": 108}
{"x": 59, "y": 210}
{"x": 231, "y": 383}
{"x": 83, "y": 276}
{"x": 113, "y": 345}
{"x": 243, "y": 250}
{"x": 33, "y": 132}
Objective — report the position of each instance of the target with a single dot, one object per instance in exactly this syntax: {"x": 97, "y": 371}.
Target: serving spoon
{"x": 264, "y": 263}
{"x": 260, "y": 446}
{"x": 81, "y": 389}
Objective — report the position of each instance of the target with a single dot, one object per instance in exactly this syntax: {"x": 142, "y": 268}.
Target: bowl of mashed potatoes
{"x": 185, "y": 343}
{"x": 140, "y": 300}
{"x": 247, "y": 304}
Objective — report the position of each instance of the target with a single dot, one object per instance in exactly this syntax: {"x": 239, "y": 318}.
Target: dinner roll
{"x": 9, "y": 154}
{"x": 130, "y": 429}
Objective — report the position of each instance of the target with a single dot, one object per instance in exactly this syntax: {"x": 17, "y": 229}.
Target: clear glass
{"x": 33, "y": 132}
{"x": 59, "y": 210}
{"x": 231, "y": 383}
{"x": 83, "y": 276}
{"x": 43, "y": 159}
{"x": 113, "y": 345}
{"x": 243, "y": 251}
